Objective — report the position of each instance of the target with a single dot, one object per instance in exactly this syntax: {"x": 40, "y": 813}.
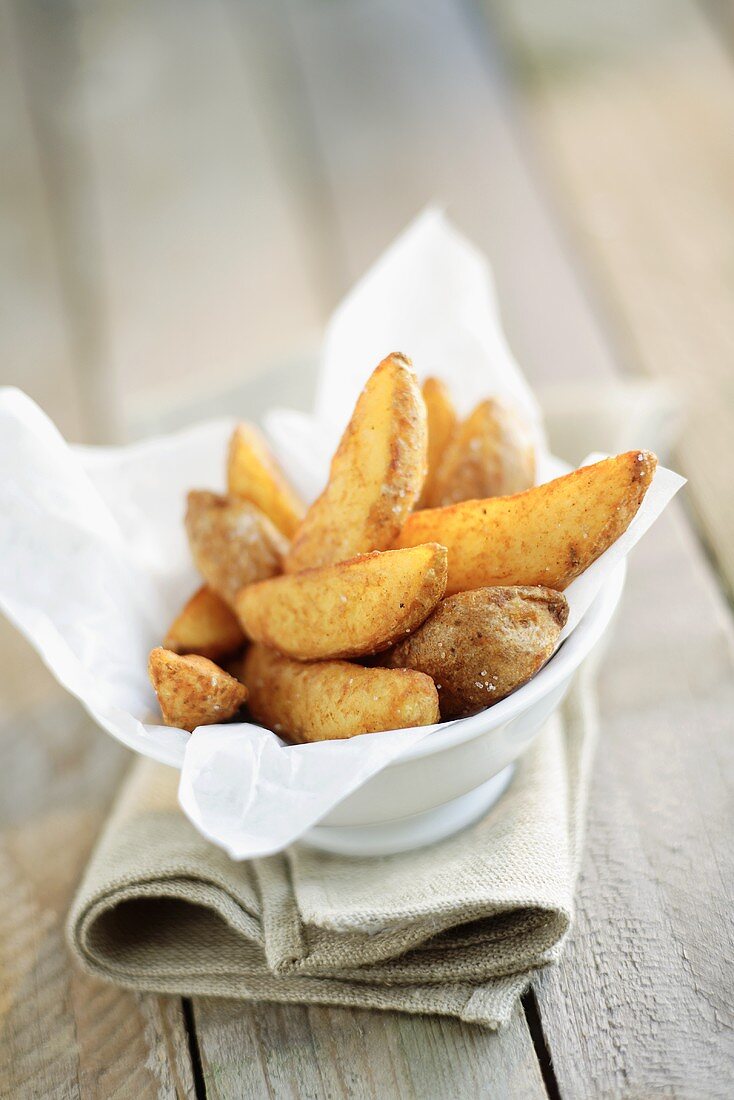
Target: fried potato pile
{"x": 424, "y": 583}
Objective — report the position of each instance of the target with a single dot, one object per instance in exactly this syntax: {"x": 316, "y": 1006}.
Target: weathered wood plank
{"x": 279, "y": 1051}
{"x": 62, "y": 1034}
{"x": 633, "y": 106}
{"x": 649, "y": 971}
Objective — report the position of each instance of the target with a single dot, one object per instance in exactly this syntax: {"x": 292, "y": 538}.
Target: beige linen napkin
{"x": 454, "y": 929}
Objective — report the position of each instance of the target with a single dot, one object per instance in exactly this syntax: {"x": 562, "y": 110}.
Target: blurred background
{"x": 189, "y": 187}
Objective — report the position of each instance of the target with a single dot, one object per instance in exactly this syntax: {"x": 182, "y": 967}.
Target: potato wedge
{"x": 323, "y": 700}
{"x": 547, "y": 535}
{"x": 192, "y": 691}
{"x": 442, "y": 421}
{"x": 254, "y": 475}
{"x": 490, "y": 454}
{"x": 376, "y": 473}
{"x": 345, "y": 610}
{"x": 205, "y": 626}
{"x": 232, "y": 542}
{"x": 479, "y": 646}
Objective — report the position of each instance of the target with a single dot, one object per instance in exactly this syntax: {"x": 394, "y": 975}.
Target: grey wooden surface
{"x": 632, "y": 106}
{"x": 187, "y": 189}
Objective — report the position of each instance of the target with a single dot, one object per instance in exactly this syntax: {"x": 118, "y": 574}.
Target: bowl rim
{"x": 558, "y": 668}
{"x": 445, "y": 735}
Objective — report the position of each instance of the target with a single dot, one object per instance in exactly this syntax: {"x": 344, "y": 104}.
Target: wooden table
{"x": 187, "y": 190}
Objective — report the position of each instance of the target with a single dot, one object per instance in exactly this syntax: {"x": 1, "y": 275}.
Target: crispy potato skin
{"x": 491, "y": 454}
{"x": 547, "y": 535}
{"x": 442, "y": 421}
{"x": 206, "y": 626}
{"x": 479, "y": 646}
{"x": 254, "y": 475}
{"x": 323, "y": 700}
{"x": 345, "y": 610}
{"x": 376, "y": 474}
{"x": 192, "y": 691}
{"x": 232, "y": 542}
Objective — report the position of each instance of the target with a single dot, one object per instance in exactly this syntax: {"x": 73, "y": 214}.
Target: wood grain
{"x": 61, "y": 1033}
{"x": 648, "y": 967}
{"x": 649, "y": 971}
{"x": 276, "y": 1050}
{"x": 633, "y": 106}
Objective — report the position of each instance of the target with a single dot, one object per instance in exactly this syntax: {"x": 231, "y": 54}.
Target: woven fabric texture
{"x": 457, "y": 928}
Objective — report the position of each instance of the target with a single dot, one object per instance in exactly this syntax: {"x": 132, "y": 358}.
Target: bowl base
{"x": 415, "y": 831}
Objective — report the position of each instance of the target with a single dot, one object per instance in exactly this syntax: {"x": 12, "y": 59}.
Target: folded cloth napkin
{"x": 455, "y": 929}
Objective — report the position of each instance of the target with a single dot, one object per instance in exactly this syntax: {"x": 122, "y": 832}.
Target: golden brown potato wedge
{"x": 376, "y": 473}
{"x": 232, "y": 542}
{"x": 479, "y": 646}
{"x": 193, "y": 691}
{"x": 490, "y": 454}
{"x": 345, "y": 610}
{"x": 323, "y": 700}
{"x": 254, "y": 475}
{"x": 441, "y": 421}
{"x": 547, "y": 535}
{"x": 205, "y": 625}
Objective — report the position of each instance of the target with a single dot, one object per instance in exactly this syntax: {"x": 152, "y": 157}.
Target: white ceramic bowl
{"x": 455, "y": 774}
{"x": 450, "y": 779}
